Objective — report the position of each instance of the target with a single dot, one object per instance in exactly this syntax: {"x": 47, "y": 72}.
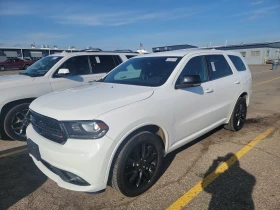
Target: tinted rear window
{"x": 118, "y": 60}
{"x": 102, "y": 63}
{"x": 237, "y": 62}
{"x": 219, "y": 66}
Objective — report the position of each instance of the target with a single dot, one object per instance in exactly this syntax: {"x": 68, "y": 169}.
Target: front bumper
{"x": 87, "y": 159}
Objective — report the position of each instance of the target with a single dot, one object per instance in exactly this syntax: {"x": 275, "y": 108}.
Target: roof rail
{"x": 91, "y": 50}
{"x": 128, "y": 51}
{"x": 107, "y": 51}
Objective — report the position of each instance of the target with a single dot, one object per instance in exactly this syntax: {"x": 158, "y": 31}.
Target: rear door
{"x": 227, "y": 85}
{"x": 102, "y": 64}
{"x": 242, "y": 70}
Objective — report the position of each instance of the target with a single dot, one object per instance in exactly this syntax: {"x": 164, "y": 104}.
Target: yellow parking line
{"x": 12, "y": 153}
{"x": 266, "y": 81}
{"x": 200, "y": 186}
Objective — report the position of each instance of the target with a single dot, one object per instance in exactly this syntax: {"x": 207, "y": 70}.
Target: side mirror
{"x": 63, "y": 72}
{"x": 188, "y": 81}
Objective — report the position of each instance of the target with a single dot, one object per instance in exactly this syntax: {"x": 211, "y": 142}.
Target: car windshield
{"x": 42, "y": 66}
{"x": 145, "y": 71}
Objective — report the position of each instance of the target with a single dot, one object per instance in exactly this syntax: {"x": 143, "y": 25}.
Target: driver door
{"x": 17, "y": 63}
{"x": 9, "y": 63}
{"x": 79, "y": 69}
{"x": 194, "y": 106}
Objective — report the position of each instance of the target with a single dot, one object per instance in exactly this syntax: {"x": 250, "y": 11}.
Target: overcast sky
{"x": 111, "y": 24}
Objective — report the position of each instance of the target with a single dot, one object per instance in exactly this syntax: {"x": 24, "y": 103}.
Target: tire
{"x": 16, "y": 121}
{"x": 132, "y": 175}
{"x": 238, "y": 116}
{"x": 2, "y": 68}
{"x": 25, "y": 67}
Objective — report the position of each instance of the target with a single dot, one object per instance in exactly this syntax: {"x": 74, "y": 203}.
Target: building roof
{"x": 180, "y": 53}
{"x": 275, "y": 44}
{"x": 68, "y": 54}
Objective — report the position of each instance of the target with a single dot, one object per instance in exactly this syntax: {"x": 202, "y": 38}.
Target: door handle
{"x": 237, "y": 82}
{"x": 209, "y": 90}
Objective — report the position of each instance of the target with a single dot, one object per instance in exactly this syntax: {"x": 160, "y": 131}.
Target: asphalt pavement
{"x": 221, "y": 170}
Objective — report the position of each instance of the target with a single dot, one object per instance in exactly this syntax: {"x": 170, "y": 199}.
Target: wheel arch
{"x": 244, "y": 95}
{"x": 153, "y": 128}
{"x": 241, "y": 95}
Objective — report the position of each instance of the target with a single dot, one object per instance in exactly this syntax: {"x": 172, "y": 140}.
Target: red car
{"x": 15, "y": 63}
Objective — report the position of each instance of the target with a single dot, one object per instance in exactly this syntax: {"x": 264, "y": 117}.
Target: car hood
{"x": 89, "y": 101}
{"x": 15, "y": 79}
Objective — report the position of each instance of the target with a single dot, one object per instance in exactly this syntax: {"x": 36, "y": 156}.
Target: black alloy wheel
{"x": 238, "y": 116}
{"x": 138, "y": 164}
{"x": 141, "y": 165}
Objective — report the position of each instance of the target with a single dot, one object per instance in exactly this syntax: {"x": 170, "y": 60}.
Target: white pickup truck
{"x": 51, "y": 73}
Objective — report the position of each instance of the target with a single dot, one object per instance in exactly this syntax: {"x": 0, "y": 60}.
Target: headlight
{"x": 86, "y": 129}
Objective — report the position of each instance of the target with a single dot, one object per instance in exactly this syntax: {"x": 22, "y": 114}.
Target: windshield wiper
{"x": 100, "y": 80}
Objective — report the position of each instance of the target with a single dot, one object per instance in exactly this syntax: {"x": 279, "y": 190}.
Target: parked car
{"x": 119, "y": 129}
{"x": 269, "y": 61}
{"x": 51, "y": 73}
{"x": 15, "y": 63}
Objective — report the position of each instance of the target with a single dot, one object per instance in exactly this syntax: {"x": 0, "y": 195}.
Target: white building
{"x": 255, "y": 53}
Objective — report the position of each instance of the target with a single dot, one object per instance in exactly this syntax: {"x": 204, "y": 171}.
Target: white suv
{"x": 118, "y": 130}
{"x": 51, "y": 73}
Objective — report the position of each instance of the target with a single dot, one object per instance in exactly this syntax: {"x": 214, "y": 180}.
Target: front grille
{"x": 48, "y": 127}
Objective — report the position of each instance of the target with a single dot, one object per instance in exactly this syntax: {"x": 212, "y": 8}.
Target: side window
{"x": 196, "y": 66}
{"x": 237, "y": 62}
{"x": 129, "y": 56}
{"x": 219, "y": 66}
{"x": 117, "y": 59}
{"x": 77, "y": 65}
{"x": 102, "y": 63}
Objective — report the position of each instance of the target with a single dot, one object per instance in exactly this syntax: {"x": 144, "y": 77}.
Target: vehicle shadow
{"x": 232, "y": 189}
{"x": 18, "y": 178}
{"x": 170, "y": 157}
